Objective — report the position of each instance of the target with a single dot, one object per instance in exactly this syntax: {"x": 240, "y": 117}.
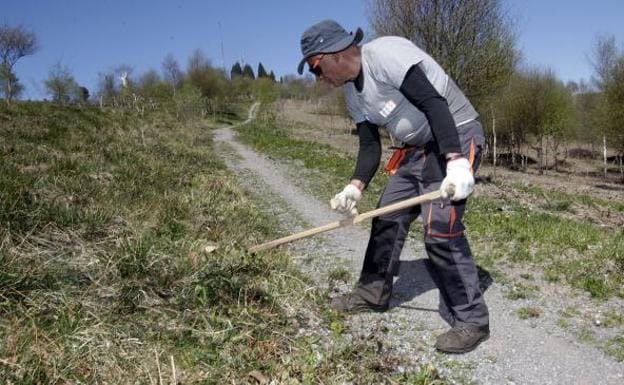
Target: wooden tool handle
{"x": 349, "y": 221}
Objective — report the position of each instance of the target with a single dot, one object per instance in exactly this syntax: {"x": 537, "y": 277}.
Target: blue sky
{"x": 92, "y": 36}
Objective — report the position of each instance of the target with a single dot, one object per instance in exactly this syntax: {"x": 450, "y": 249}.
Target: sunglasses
{"x": 314, "y": 68}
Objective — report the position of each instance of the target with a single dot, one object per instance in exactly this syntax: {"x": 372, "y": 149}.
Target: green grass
{"x": 339, "y": 274}
{"x": 569, "y": 251}
{"x": 615, "y": 348}
{"x": 122, "y": 255}
{"x": 613, "y": 319}
{"x": 587, "y": 335}
{"x": 563, "y": 323}
{"x": 521, "y": 291}
{"x": 557, "y": 200}
{"x": 570, "y": 312}
{"x": 528, "y": 312}
{"x": 580, "y": 254}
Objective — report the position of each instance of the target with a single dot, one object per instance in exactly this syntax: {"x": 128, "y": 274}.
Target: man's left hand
{"x": 459, "y": 182}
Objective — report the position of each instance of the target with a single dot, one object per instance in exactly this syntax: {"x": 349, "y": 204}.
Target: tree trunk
{"x": 545, "y": 147}
{"x": 513, "y": 150}
{"x": 555, "y": 148}
{"x": 9, "y": 95}
{"x": 494, "y": 142}
{"x": 540, "y": 155}
{"x": 604, "y": 155}
{"x": 525, "y": 163}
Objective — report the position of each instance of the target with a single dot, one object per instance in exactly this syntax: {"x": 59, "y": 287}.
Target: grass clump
{"x": 521, "y": 291}
{"x": 557, "y": 205}
{"x": 613, "y": 319}
{"x": 339, "y": 274}
{"x": 563, "y": 323}
{"x": 615, "y": 348}
{"x": 528, "y": 312}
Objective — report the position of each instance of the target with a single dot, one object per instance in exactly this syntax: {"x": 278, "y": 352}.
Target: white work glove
{"x": 459, "y": 181}
{"x": 344, "y": 202}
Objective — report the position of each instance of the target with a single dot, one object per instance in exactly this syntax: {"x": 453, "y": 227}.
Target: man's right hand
{"x": 344, "y": 202}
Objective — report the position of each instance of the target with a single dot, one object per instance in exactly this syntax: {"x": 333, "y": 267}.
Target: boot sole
{"x": 467, "y": 349}
{"x": 365, "y": 310}
{"x": 357, "y": 310}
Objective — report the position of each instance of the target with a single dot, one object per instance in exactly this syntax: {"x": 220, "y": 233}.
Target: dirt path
{"x": 534, "y": 351}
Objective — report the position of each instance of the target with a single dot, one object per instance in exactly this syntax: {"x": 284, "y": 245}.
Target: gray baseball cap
{"x": 326, "y": 36}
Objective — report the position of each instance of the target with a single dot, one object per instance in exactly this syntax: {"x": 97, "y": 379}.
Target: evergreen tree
{"x": 248, "y": 72}
{"x": 82, "y": 94}
{"x": 236, "y": 71}
{"x": 261, "y": 71}
{"x": 272, "y": 76}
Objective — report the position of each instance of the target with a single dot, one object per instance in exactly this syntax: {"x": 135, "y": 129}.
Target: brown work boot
{"x": 462, "y": 339}
{"x": 354, "y": 303}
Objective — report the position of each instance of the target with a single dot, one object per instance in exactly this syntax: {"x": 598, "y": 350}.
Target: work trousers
{"x": 452, "y": 266}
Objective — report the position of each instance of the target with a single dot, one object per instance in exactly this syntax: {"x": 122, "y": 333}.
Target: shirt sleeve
{"x": 421, "y": 93}
{"x": 369, "y": 154}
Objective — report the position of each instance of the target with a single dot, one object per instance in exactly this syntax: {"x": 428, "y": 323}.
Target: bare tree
{"x": 608, "y": 62}
{"x": 197, "y": 61}
{"x": 614, "y": 96}
{"x": 15, "y": 43}
{"x": 473, "y": 40}
{"x": 603, "y": 59}
{"x": 171, "y": 72}
{"x": 60, "y": 84}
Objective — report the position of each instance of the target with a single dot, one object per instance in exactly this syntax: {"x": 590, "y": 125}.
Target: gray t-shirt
{"x": 385, "y": 62}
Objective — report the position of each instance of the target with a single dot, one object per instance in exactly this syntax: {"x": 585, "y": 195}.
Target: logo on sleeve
{"x": 387, "y": 108}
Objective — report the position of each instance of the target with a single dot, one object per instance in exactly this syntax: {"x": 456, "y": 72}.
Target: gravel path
{"x": 535, "y": 351}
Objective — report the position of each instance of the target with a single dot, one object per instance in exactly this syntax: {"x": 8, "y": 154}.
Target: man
{"x": 392, "y": 83}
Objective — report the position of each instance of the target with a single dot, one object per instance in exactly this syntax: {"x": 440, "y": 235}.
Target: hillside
{"x": 122, "y": 254}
